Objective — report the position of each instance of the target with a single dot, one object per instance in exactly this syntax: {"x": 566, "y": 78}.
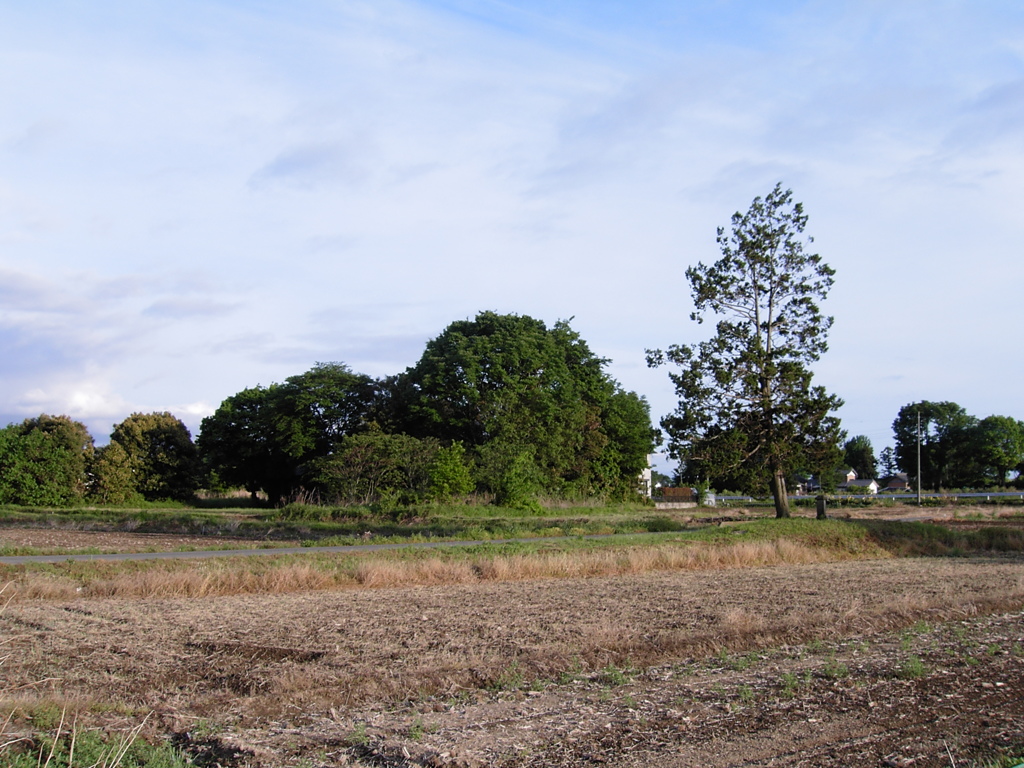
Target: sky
{"x": 202, "y": 196}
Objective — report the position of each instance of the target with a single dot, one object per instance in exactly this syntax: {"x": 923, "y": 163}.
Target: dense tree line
{"x": 500, "y": 404}
{"x": 957, "y": 450}
{"x": 52, "y": 461}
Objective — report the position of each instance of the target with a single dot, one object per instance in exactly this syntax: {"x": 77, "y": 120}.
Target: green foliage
{"x": 887, "y": 460}
{"x": 957, "y": 450}
{"x": 944, "y": 427}
{"x": 516, "y": 481}
{"x": 507, "y": 386}
{"x": 860, "y": 456}
{"x": 82, "y": 748}
{"x": 1000, "y": 445}
{"x": 614, "y": 676}
{"x": 911, "y": 668}
{"x": 44, "y": 462}
{"x": 264, "y": 438}
{"x": 113, "y": 480}
{"x": 448, "y": 474}
{"x": 748, "y": 415}
{"x": 375, "y": 468}
{"x": 509, "y": 679}
{"x": 835, "y": 669}
{"x": 163, "y": 461}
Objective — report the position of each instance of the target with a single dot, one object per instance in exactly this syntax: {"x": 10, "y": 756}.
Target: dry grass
{"x": 234, "y": 577}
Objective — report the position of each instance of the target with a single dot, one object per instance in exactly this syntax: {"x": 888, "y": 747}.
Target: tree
{"x": 887, "y": 458}
{"x": 515, "y": 393}
{"x": 946, "y": 454}
{"x": 240, "y": 442}
{"x": 746, "y": 402}
{"x": 44, "y": 462}
{"x": 626, "y": 421}
{"x": 860, "y": 456}
{"x": 1000, "y": 446}
{"x": 315, "y": 410}
{"x": 113, "y": 479}
{"x": 374, "y": 467}
{"x": 266, "y": 438}
{"x": 163, "y": 460}
{"x": 449, "y": 474}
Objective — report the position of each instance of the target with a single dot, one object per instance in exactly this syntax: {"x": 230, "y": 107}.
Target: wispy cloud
{"x": 185, "y": 309}
{"x": 313, "y": 165}
{"x": 244, "y": 189}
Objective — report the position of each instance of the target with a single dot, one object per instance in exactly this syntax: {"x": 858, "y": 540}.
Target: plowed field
{"x": 893, "y": 662}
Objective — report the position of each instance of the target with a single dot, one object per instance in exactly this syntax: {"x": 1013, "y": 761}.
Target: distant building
{"x": 864, "y": 486}
{"x": 900, "y": 482}
{"x": 645, "y": 482}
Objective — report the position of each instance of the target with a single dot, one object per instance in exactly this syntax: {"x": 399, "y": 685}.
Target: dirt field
{"x": 884, "y": 662}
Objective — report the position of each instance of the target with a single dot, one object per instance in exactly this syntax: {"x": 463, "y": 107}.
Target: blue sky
{"x": 197, "y": 197}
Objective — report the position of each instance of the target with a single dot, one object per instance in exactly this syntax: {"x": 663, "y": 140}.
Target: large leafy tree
{"x": 1000, "y": 443}
{"x": 240, "y": 442}
{"x": 44, "y": 461}
{"x": 526, "y": 400}
{"x": 163, "y": 460}
{"x": 265, "y": 438}
{"x": 746, "y": 399}
{"x": 113, "y": 477}
{"x": 947, "y": 458}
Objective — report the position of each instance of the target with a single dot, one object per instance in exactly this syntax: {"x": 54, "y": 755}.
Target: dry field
{"x": 882, "y": 662}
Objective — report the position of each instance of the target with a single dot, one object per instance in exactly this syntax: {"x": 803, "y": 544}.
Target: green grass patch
{"x": 89, "y": 748}
{"x": 927, "y": 539}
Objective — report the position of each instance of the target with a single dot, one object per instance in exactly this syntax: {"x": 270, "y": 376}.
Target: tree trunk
{"x": 779, "y": 494}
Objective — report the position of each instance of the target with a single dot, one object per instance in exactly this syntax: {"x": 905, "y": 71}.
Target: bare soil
{"x": 70, "y": 541}
{"x": 895, "y": 662}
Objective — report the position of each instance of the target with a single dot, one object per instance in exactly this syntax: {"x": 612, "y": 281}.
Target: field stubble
{"x": 781, "y": 652}
{"x": 702, "y": 667}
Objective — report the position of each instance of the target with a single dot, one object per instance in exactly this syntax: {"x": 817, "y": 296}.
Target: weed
{"x": 204, "y": 730}
{"x": 573, "y": 673}
{"x": 835, "y": 669}
{"x": 737, "y": 663}
{"x": 509, "y": 679}
{"x": 416, "y": 729}
{"x": 358, "y": 737}
{"x": 790, "y": 684}
{"x": 746, "y": 694}
{"x": 68, "y": 747}
{"x": 993, "y": 650}
{"x": 46, "y": 717}
{"x": 614, "y": 676}
{"x": 816, "y": 646}
{"x": 1017, "y": 649}
{"x": 912, "y": 668}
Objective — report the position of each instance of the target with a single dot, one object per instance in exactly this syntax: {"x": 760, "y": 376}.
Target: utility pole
{"x": 919, "y": 458}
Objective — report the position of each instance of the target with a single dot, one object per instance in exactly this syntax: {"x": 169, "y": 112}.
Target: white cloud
{"x": 199, "y": 199}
